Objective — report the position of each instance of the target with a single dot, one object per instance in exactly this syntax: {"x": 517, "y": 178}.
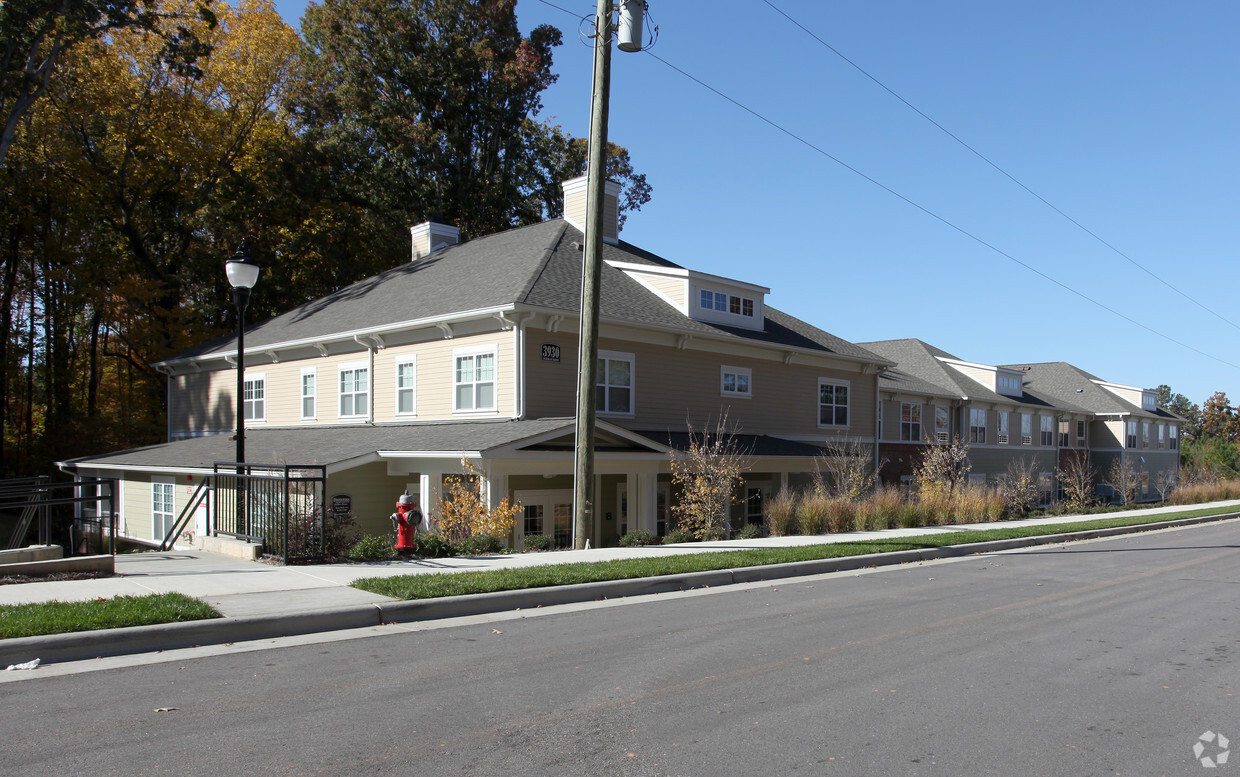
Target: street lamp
{"x": 242, "y": 273}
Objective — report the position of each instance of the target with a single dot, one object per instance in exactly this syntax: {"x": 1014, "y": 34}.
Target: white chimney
{"x": 575, "y": 196}
{"x": 429, "y": 236}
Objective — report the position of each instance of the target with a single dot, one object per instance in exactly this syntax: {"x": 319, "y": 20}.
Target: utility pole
{"x": 591, "y": 265}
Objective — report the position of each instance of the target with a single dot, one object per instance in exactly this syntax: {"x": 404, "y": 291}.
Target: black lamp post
{"x": 242, "y": 273}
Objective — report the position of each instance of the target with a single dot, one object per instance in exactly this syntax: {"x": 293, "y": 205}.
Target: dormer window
{"x": 1008, "y": 384}
{"x": 1148, "y": 401}
{"x": 727, "y": 303}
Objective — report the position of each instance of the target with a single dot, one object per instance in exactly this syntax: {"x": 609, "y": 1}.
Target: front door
{"x": 548, "y": 511}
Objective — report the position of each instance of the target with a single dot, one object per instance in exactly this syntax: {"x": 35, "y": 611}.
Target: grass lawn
{"x": 31, "y": 620}
{"x": 454, "y": 584}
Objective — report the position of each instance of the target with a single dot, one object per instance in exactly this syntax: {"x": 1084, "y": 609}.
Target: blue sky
{"x": 1122, "y": 115}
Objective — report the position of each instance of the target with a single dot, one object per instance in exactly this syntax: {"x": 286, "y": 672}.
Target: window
{"x": 734, "y": 305}
{"x": 735, "y": 381}
{"x": 1161, "y": 436}
{"x": 1065, "y": 433}
{"x": 254, "y": 405}
{"x": 1173, "y": 437}
{"x": 1048, "y": 430}
{"x": 354, "y": 391}
{"x": 747, "y": 308}
{"x": 1026, "y": 429}
{"x": 406, "y": 389}
{"x": 910, "y": 421}
{"x": 708, "y": 299}
{"x": 1080, "y": 434}
{"x": 163, "y": 508}
{"x": 1132, "y": 434}
{"x": 977, "y": 425}
{"x": 1145, "y": 434}
{"x": 1003, "y": 426}
{"x": 1009, "y": 384}
{"x": 614, "y": 389}
{"x": 309, "y": 402}
{"x": 473, "y": 380}
{"x": 721, "y": 301}
{"x": 941, "y": 419}
{"x": 832, "y": 403}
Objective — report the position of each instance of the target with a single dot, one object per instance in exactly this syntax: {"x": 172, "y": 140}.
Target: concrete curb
{"x": 170, "y": 636}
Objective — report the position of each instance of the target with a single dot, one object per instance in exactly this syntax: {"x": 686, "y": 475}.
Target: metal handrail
{"x": 187, "y": 514}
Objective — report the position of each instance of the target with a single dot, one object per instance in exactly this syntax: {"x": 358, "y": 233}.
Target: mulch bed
{"x": 55, "y": 576}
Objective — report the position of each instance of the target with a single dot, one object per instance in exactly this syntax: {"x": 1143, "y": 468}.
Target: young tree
{"x": 846, "y": 471}
{"x": 1021, "y": 490}
{"x": 944, "y": 468}
{"x": 707, "y": 473}
{"x": 1123, "y": 477}
{"x": 1076, "y": 477}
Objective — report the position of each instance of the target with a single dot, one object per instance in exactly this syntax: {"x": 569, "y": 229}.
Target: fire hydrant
{"x": 406, "y": 520}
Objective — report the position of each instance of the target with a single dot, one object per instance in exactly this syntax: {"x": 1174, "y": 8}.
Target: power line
{"x": 999, "y": 169}
{"x": 926, "y": 210}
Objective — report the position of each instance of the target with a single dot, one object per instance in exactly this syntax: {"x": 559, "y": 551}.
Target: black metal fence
{"x": 282, "y": 507}
{"x": 79, "y": 515}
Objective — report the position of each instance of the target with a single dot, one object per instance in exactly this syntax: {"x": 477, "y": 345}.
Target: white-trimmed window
{"x": 910, "y": 421}
{"x": 942, "y": 420}
{"x": 1162, "y": 436}
{"x": 708, "y": 299}
{"x": 1048, "y": 430}
{"x": 1080, "y": 434}
{"x": 473, "y": 379}
{"x": 614, "y": 383}
{"x": 1065, "y": 433}
{"x": 1026, "y": 429}
{"x": 1004, "y": 415}
{"x": 1009, "y": 384}
{"x": 254, "y": 405}
{"x": 735, "y": 381}
{"x": 1132, "y": 434}
{"x": 309, "y": 393}
{"x": 163, "y": 506}
{"x": 1145, "y": 434}
{"x": 832, "y": 402}
{"x": 406, "y": 385}
{"x": 355, "y": 390}
{"x": 1173, "y": 436}
{"x": 977, "y": 425}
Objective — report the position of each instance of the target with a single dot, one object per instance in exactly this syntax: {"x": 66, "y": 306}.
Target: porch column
{"x": 643, "y": 501}
{"x": 430, "y": 488}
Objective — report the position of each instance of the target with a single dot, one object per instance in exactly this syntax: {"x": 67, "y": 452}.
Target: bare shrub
{"x": 1020, "y": 490}
{"x": 944, "y": 468}
{"x": 846, "y": 471}
{"x": 1124, "y": 479}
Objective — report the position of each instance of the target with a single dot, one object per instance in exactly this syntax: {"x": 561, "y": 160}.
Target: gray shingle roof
{"x": 329, "y": 445}
{"x": 1065, "y": 383}
{"x": 537, "y": 266}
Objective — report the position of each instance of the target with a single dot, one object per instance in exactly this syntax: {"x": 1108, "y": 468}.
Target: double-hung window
{"x": 832, "y": 403}
{"x": 1132, "y": 434}
{"x": 473, "y": 380}
{"x": 254, "y": 405}
{"x": 406, "y": 388}
{"x": 614, "y": 383}
{"x": 1145, "y": 434}
{"x": 1080, "y": 434}
{"x": 309, "y": 393}
{"x": 1065, "y": 433}
{"x": 942, "y": 420}
{"x": 1003, "y": 426}
{"x": 355, "y": 390}
{"x": 910, "y": 421}
{"x": 163, "y": 507}
{"x": 1173, "y": 437}
{"x": 1048, "y": 431}
{"x": 735, "y": 381}
{"x": 977, "y": 425}
{"x": 1161, "y": 435}
{"x": 1026, "y": 429}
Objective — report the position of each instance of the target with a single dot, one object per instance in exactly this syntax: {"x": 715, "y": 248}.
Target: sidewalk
{"x": 254, "y": 596}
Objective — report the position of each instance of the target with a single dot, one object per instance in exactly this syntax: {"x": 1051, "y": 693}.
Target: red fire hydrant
{"x": 406, "y": 520}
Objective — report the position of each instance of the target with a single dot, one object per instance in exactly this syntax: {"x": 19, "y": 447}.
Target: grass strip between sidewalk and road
{"x": 34, "y": 620}
{"x": 431, "y": 586}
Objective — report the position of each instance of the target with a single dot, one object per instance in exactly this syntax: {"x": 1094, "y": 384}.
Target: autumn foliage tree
{"x": 464, "y": 511}
{"x": 707, "y": 473}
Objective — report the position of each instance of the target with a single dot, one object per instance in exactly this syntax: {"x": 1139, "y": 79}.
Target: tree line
{"x": 1209, "y": 435}
{"x": 143, "y": 140}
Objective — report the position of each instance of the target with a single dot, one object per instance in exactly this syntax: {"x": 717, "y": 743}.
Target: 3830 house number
{"x": 550, "y": 352}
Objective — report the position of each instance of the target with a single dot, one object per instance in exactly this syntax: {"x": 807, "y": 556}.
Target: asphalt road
{"x": 1095, "y": 659}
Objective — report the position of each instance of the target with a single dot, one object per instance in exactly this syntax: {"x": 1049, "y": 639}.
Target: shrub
{"x": 373, "y": 547}
{"x": 538, "y": 542}
{"x": 481, "y": 544}
{"x": 434, "y": 545}
{"x": 637, "y": 537}
{"x": 781, "y": 514}
{"x": 1020, "y": 487}
{"x": 707, "y": 474}
{"x": 464, "y": 512}
{"x": 678, "y": 535}
{"x": 751, "y": 531}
